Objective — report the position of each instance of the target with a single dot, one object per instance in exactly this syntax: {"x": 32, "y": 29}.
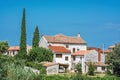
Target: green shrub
{"x": 36, "y": 66}
{"x": 78, "y": 67}
{"x": 40, "y": 54}
{"x": 91, "y": 68}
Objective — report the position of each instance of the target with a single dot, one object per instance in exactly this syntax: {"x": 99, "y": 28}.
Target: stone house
{"x": 51, "y": 68}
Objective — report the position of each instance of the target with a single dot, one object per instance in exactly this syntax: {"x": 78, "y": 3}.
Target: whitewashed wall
{"x": 71, "y": 46}
{"x": 43, "y": 43}
{"x": 62, "y": 60}
{"x": 77, "y": 46}
{"x": 102, "y": 57}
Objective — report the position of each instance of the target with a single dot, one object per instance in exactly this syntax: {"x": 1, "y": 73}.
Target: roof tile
{"x": 65, "y": 39}
{"x": 59, "y": 49}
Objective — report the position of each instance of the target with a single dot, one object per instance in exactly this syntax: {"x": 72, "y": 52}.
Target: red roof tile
{"x": 64, "y": 39}
{"x": 106, "y": 51}
{"x": 14, "y": 48}
{"x": 49, "y": 64}
{"x": 81, "y": 53}
{"x": 59, "y": 49}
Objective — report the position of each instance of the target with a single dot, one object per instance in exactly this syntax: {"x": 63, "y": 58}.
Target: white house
{"x": 63, "y": 46}
{"x": 13, "y": 50}
{"x": 71, "y": 43}
{"x": 68, "y": 51}
{"x": 62, "y": 56}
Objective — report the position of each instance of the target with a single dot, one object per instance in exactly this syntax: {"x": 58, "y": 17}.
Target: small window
{"x": 78, "y": 49}
{"x": 73, "y": 58}
{"x": 103, "y": 68}
{"x": 67, "y": 46}
{"x": 73, "y": 50}
{"x": 13, "y": 52}
{"x": 80, "y": 57}
{"x": 66, "y": 58}
{"x": 58, "y": 55}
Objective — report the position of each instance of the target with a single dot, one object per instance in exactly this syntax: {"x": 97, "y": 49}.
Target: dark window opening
{"x": 58, "y": 55}
{"x": 66, "y": 58}
{"x": 73, "y": 50}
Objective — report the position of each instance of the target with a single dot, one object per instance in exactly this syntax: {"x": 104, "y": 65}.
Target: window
{"x": 58, "y": 55}
{"x": 13, "y": 52}
{"x": 80, "y": 57}
{"x": 66, "y": 58}
{"x": 103, "y": 68}
{"x": 73, "y": 58}
{"x": 67, "y": 46}
{"x": 73, "y": 50}
{"x": 78, "y": 49}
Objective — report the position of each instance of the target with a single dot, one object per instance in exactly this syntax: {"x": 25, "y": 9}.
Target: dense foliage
{"x": 12, "y": 69}
{"x": 78, "y": 68}
{"x": 113, "y": 59}
{"x": 35, "y": 40}
{"x": 36, "y": 66}
{"x": 91, "y": 68}
{"x": 23, "y": 37}
{"x": 3, "y": 47}
{"x": 74, "y": 77}
{"x": 40, "y": 54}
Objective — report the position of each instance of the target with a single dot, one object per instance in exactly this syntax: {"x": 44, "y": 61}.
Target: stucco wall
{"x": 71, "y": 46}
{"x": 77, "y": 46}
{"x": 62, "y": 60}
{"x": 102, "y": 57}
{"x": 43, "y": 43}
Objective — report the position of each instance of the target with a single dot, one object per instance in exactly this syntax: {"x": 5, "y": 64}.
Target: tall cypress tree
{"x": 23, "y": 35}
{"x": 35, "y": 40}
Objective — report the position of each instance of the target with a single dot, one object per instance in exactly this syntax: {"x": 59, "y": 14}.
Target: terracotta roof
{"x": 100, "y": 64}
{"x": 81, "y": 53}
{"x": 106, "y": 51}
{"x": 59, "y": 49}
{"x": 97, "y": 63}
{"x": 49, "y": 64}
{"x": 14, "y": 48}
{"x": 60, "y": 38}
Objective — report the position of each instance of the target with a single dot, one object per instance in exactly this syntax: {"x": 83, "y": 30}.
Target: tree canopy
{"x": 35, "y": 40}
{"x": 40, "y": 54}
{"x": 23, "y": 35}
{"x": 78, "y": 67}
{"x": 3, "y": 47}
{"x": 113, "y": 59}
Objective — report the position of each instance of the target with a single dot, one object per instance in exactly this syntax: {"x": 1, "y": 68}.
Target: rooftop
{"x": 46, "y": 64}
{"x": 60, "y": 38}
{"x": 59, "y": 49}
{"x": 81, "y": 52}
{"x": 13, "y": 48}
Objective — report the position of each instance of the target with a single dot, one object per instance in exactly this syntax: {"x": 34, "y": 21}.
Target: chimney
{"x": 78, "y": 34}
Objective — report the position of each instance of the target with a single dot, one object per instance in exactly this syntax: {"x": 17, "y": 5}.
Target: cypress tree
{"x": 23, "y": 35}
{"x": 35, "y": 40}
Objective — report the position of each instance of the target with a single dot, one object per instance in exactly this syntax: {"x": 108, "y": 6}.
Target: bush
{"x": 78, "y": 67}
{"x": 40, "y": 54}
{"x": 91, "y": 68}
{"x": 36, "y": 66}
